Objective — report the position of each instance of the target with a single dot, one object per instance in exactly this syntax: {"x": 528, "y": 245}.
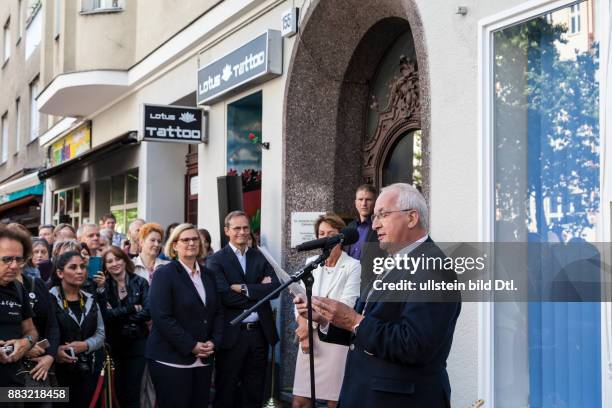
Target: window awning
{"x": 128, "y": 138}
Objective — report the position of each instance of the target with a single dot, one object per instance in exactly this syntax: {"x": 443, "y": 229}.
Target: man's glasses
{"x": 384, "y": 214}
{"x": 7, "y": 260}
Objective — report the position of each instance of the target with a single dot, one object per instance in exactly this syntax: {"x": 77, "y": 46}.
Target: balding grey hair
{"x": 132, "y": 225}
{"x": 83, "y": 226}
{"x": 408, "y": 197}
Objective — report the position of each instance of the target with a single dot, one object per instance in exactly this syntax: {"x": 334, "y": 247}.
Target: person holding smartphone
{"x": 17, "y": 332}
{"x": 126, "y": 315}
{"x": 80, "y": 355}
{"x": 39, "y": 359}
{"x": 187, "y": 324}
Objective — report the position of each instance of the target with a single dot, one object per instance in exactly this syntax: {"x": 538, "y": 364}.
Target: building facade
{"x": 496, "y": 110}
{"x": 21, "y": 192}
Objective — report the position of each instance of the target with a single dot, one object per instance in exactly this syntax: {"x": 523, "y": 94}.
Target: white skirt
{"x": 330, "y": 360}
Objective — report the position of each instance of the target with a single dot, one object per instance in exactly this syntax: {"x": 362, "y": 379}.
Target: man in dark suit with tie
{"x": 398, "y": 346}
{"x": 243, "y": 276}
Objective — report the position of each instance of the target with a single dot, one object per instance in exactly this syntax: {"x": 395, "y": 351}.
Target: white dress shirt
{"x": 253, "y": 317}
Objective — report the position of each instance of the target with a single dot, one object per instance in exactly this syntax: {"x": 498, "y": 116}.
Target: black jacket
{"x": 124, "y": 324}
{"x": 180, "y": 319}
{"x": 228, "y": 271}
{"x": 398, "y": 357}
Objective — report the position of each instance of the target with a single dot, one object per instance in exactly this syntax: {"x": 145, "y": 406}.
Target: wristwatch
{"x": 243, "y": 289}
{"x": 30, "y": 340}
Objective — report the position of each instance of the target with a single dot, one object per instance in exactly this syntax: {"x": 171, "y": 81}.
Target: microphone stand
{"x": 305, "y": 275}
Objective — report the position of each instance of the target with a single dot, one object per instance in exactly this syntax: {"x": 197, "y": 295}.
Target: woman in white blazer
{"x": 339, "y": 279}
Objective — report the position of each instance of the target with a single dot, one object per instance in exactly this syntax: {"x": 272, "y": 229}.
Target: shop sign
{"x": 302, "y": 227}
{"x": 255, "y": 62}
{"x": 71, "y": 145}
{"x": 170, "y": 123}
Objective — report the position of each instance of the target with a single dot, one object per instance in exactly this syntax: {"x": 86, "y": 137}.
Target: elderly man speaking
{"x": 397, "y": 349}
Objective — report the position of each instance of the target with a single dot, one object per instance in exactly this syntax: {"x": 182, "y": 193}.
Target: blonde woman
{"x": 187, "y": 324}
{"x": 150, "y": 243}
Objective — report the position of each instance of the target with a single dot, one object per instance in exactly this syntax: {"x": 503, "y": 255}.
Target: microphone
{"x": 347, "y": 236}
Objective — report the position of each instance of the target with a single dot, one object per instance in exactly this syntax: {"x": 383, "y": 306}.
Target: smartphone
{"x": 70, "y": 352}
{"x": 94, "y": 266}
{"x": 44, "y": 343}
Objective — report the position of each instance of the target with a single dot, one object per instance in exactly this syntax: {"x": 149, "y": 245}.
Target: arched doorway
{"x": 339, "y": 52}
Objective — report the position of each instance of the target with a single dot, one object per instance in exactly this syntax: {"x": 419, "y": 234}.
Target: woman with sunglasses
{"x": 187, "y": 324}
{"x": 126, "y": 316}
{"x": 79, "y": 357}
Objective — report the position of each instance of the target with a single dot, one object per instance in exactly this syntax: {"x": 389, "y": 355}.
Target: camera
{"x": 131, "y": 331}
{"x": 8, "y": 349}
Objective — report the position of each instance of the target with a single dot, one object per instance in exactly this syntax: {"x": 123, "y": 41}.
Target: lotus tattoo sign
{"x": 255, "y": 62}
{"x": 170, "y": 123}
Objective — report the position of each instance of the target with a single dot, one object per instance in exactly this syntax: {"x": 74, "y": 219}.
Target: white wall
{"x": 452, "y": 46}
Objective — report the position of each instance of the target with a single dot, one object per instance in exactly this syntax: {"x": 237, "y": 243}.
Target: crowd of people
{"x": 159, "y": 302}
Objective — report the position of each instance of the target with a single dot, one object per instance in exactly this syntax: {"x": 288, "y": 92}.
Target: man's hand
{"x": 236, "y": 288}
{"x": 20, "y": 347}
{"x": 35, "y": 351}
{"x": 40, "y": 371}
{"x": 266, "y": 280}
{"x": 337, "y": 313}
{"x": 301, "y": 306}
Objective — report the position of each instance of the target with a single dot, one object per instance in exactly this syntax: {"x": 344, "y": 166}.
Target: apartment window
{"x": 100, "y": 5}
{"x": 5, "y": 135}
{"x": 58, "y": 19}
{"x": 574, "y": 19}
{"x": 17, "y": 124}
{"x": 33, "y": 32}
{"x": 34, "y": 116}
{"x": 124, "y": 199}
{"x": 7, "y": 40}
{"x": 546, "y": 189}
{"x": 19, "y": 19}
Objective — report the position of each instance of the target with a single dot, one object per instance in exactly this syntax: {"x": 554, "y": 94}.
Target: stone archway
{"x": 336, "y": 54}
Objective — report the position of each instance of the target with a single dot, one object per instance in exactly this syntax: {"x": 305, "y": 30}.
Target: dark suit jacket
{"x": 180, "y": 319}
{"x": 398, "y": 357}
{"x": 228, "y": 271}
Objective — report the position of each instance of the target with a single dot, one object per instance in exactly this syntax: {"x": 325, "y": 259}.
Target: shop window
{"x": 244, "y": 151}
{"x": 67, "y": 207}
{"x": 124, "y": 199}
{"x": 546, "y": 168}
